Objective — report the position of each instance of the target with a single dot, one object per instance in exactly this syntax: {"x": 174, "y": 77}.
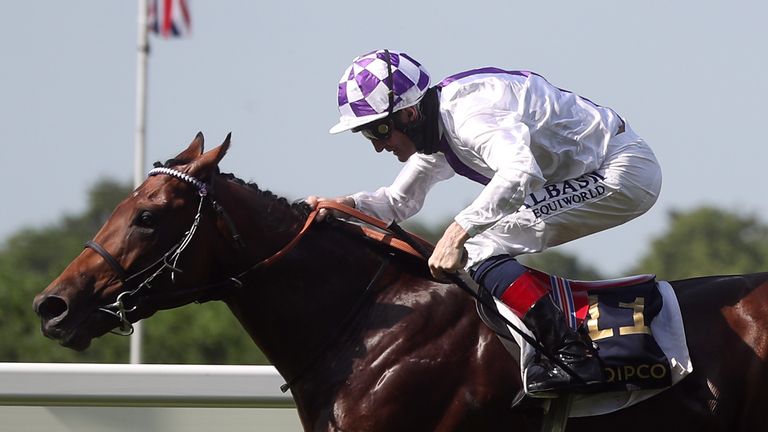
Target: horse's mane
{"x": 299, "y": 207}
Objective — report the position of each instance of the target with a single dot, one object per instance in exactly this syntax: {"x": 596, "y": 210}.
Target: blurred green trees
{"x": 31, "y": 259}
{"x": 561, "y": 264}
{"x": 707, "y": 241}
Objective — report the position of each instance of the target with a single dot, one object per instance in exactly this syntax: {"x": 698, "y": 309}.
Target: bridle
{"x": 169, "y": 260}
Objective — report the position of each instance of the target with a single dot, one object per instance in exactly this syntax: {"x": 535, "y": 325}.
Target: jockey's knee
{"x": 497, "y": 273}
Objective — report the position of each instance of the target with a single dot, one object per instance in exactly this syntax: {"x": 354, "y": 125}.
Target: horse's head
{"x": 149, "y": 255}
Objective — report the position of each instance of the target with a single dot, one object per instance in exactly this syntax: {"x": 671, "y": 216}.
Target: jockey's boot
{"x": 548, "y": 323}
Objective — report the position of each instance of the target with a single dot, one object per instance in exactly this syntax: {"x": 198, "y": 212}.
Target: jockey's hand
{"x": 314, "y": 200}
{"x": 449, "y": 255}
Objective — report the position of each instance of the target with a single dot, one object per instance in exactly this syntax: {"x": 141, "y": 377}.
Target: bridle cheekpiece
{"x": 168, "y": 261}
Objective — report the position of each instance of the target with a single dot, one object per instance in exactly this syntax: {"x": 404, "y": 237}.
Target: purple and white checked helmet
{"x": 365, "y": 86}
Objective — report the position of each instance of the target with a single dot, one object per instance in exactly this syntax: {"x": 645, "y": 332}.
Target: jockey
{"x": 555, "y": 167}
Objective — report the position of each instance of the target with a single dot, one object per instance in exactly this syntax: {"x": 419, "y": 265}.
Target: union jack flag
{"x": 169, "y": 18}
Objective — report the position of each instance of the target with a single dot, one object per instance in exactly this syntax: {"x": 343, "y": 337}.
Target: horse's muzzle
{"x": 50, "y": 308}
{"x": 53, "y": 310}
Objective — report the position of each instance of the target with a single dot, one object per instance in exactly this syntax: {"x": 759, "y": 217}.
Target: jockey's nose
{"x": 378, "y": 145}
{"x": 50, "y": 307}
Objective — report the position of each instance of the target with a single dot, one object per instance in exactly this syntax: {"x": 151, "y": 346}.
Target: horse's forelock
{"x": 170, "y": 163}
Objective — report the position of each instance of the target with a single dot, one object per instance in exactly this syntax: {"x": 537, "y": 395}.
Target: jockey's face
{"x": 397, "y": 143}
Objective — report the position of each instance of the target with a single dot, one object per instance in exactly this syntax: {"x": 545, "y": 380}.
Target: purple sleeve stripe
{"x": 458, "y": 166}
{"x": 493, "y": 70}
{"x": 488, "y": 70}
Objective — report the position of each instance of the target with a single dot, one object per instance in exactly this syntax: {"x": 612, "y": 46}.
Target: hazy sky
{"x": 689, "y": 76}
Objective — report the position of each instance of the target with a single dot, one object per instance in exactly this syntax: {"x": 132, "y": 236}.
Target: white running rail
{"x": 144, "y": 385}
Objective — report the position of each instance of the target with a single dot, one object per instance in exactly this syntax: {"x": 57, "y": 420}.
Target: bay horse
{"x": 366, "y": 340}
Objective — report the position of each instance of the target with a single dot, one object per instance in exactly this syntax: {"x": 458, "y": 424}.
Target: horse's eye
{"x": 146, "y": 219}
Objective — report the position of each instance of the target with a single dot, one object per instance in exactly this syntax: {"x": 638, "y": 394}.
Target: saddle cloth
{"x": 667, "y": 328}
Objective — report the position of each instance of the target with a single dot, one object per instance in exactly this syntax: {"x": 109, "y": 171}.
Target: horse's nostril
{"x": 52, "y": 307}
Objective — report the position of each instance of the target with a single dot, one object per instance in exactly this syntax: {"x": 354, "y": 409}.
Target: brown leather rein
{"x": 386, "y": 237}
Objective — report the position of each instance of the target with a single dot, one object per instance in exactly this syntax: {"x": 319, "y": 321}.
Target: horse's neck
{"x": 268, "y": 222}
{"x": 298, "y": 306}
{"x": 299, "y": 300}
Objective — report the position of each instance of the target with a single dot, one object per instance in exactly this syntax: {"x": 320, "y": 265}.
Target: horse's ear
{"x": 194, "y": 150}
{"x": 203, "y": 166}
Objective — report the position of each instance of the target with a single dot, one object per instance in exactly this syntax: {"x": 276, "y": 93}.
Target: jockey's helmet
{"x": 377, "y": 84}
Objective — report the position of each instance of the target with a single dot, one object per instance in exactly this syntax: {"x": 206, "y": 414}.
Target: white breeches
{"x": 623, "y": 188}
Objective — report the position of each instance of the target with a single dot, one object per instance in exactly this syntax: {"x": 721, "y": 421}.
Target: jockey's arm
{"x": 503, "y": 143}
{"x": 405, "y": 196}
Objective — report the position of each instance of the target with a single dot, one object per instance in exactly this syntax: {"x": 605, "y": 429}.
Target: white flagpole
{"x": 139, "y": 136}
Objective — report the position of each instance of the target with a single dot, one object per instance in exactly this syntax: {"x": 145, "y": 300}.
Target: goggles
{"x": 377, "y": 131}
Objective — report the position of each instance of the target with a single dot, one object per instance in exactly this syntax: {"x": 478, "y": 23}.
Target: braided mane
{"x": 299, "y": 207}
